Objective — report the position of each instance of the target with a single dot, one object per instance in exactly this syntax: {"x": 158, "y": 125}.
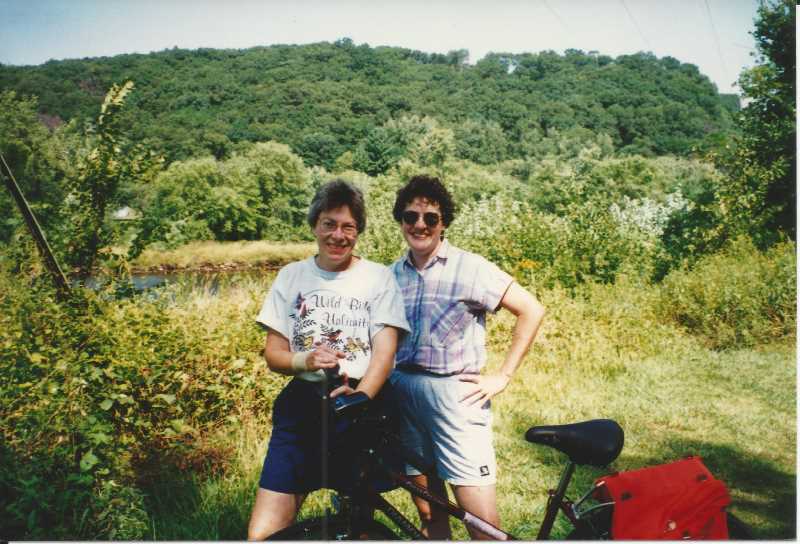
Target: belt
{"x": 415, "y": 369}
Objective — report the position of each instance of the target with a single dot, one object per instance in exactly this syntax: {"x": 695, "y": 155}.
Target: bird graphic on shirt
{"x": 300, "y": 305}
{"x": 354, "y": 345}
{"x": 332, "y": 336}
{"x": 307, "y": 342}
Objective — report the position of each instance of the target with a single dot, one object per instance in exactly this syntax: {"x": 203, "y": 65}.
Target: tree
{"x": 29, "y": 151}
{"x": 110, "y": 160}
{"x": 480, "y": 141}
{"x": 323, "y": 99}
{"x": 378, "y": 152}
{"x": 261, "y": 192}
{"x": 434, "y": 149}
{"x": 759, "y": 195}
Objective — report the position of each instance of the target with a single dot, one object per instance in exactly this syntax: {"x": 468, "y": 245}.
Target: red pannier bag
{"x": 674, "y": 501}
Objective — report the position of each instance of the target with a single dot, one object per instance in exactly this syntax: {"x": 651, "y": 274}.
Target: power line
{"x": 560, "y": 20}
{"x": 716, "y": 39}
{"x": 636, "y": 25}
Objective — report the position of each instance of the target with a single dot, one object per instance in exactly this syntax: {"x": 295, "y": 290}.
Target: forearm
{"x": 280, "y": 360}
{"x": 384, "y": 347}
{"x": 522, "y": 337}
{"x": 529, "y": 313}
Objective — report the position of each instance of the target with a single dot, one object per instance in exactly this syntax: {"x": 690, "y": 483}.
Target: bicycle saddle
{"x": 596, "y": 442}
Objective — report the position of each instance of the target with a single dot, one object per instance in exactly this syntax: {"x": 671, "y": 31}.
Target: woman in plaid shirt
{"x": 444, "y": 400}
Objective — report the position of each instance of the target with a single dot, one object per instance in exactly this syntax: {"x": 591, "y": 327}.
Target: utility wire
{"x": 556, "y": 15}
{"x": 636, "y": 25}
{"x": 716, "y": 39}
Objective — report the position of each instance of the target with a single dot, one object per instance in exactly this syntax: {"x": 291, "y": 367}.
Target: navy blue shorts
{"x": 294, "y": 459}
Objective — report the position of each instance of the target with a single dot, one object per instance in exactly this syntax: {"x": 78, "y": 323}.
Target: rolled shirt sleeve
{"x": 491, "y": 284}
{"x": 274, "y": 310}
{"x": 388, "y": 309}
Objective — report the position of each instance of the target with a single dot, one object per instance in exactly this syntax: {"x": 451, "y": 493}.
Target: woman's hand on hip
{"x": 486, "y": 386}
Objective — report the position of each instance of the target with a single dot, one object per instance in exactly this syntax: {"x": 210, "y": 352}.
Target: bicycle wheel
{"x": 594, "y": 526}
{"x": 337, "y": 529}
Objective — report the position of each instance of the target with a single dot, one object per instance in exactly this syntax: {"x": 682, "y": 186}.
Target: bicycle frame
{"x": 373, "y": 500}
{"x": 366, "y": 499}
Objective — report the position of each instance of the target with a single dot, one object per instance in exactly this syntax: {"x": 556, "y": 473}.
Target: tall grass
{"x": 607, "y": 355}
{"x": 604, "y": 350}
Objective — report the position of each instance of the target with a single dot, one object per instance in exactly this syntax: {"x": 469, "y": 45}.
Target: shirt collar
{"x": 441, "y": 255}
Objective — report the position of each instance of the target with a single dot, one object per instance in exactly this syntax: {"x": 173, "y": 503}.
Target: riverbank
{"x": 211, "y": 256}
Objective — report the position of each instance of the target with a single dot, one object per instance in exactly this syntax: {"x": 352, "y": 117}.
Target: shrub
{"x": 261, "y": 193}
{"x": 737, "y": 297}
{"x": 587, "y": 243}
{"x": 382, "y": 241}
{"x": 99, "y": 397}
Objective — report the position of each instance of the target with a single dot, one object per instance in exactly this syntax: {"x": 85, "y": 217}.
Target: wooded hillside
{"x": 324, "y": 99}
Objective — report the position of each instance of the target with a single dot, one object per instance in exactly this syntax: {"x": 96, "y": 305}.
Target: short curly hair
{"x": 429, "y": 188}
{"x": 334, "y": 194}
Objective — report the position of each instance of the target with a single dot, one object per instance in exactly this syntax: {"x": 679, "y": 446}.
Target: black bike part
{"x": 597, "y": 442}
{"x": 350, "y": 405}
{"x": 338, "y": 528}
{"x": 554, "y": 503}
{"x": 399, "y": 519}
{"x": 469, "y": 519}
{"x": 332, "y": 375}
{"x": 595, "y": 525}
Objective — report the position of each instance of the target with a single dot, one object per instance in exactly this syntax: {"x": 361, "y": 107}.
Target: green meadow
{"x": 604, "y": 354}
{"x": 179, "y": 381}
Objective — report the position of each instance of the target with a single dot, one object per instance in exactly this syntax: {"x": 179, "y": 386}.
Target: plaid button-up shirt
{"x": 446, "y": 305}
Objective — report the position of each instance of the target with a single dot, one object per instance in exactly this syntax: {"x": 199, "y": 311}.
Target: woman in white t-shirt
{"x": 333, "y": 309}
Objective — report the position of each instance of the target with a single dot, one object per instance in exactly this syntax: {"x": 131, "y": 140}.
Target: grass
{"x": 601, "y": 354}
{"x": 229, "y": 254}
{"x": 707, "y": 404}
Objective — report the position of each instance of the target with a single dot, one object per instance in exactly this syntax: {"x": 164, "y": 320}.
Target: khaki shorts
{"x": 453, "y": 436}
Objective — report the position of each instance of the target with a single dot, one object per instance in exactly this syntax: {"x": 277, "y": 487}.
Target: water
{"x": 141, "y": 282}
{"x": 211, "y": 282}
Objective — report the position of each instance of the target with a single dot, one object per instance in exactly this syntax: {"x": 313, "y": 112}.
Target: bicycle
{"x": 596, "y": 442}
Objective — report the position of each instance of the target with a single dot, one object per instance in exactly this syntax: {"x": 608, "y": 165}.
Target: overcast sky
{"x": 712, "y": 34}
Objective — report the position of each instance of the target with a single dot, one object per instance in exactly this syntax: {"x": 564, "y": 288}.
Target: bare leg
{"x": 272, "y": 512}
{"x": 435, "y": 522}
{"x": 478, "y": 500}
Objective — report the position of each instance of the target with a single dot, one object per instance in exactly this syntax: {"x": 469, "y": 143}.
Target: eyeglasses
{"x": 430, "y": 219}
{"x": 328, "y": 226}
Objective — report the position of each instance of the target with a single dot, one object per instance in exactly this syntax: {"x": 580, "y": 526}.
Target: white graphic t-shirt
{"x": 344, "y": 310}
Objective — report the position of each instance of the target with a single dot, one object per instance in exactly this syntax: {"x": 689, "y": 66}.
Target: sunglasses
{"x": 429, "y": 218}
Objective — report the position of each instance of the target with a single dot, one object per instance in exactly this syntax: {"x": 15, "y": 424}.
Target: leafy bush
{"x": 98, "y": 397}
{"x": 587, "y": 243}
{"x": 382, "y": 242}
{"x": 261, "y": 193}
{"x": 738, "y": 297}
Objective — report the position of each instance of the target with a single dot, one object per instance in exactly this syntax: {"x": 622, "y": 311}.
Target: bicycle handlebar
{"x": 344, "y": 404}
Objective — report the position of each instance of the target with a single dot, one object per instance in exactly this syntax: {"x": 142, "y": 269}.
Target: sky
{"x": 712, "y": 34}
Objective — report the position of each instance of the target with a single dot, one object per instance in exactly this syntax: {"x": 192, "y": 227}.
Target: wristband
{"x": 299, "y": 361}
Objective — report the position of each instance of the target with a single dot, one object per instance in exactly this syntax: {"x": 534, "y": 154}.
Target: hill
{"x": 324, "y": 98}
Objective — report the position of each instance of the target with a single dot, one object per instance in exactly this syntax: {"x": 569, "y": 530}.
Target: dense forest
{"x": 325, "y": 99}
{"x": 228, "y": 144}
